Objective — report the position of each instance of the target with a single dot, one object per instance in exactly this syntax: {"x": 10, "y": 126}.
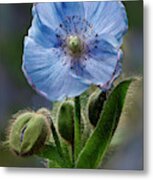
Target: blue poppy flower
{"x": 72, "y": 45}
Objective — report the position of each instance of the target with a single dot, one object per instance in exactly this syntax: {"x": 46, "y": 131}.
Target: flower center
{"x": 75, "y": 45}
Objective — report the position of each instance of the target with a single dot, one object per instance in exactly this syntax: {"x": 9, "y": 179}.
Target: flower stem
{"x": 66, "y": 162}
{"x": 77, "y": 128}
{"x": 56, "y": 139}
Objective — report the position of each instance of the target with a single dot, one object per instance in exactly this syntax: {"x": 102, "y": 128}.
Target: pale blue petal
{"x": 66, "y": 9}
{"x": 100, "y": 63}
{"x": 48, "y": 15}
{"x": 42, "y": 34}
{"x": 102, "y": 44}
{"x": 107, "y": 17}
{"x": 47, "y": 72}
{"x": 53, "y": 15}
{"x": 116, "y": 73}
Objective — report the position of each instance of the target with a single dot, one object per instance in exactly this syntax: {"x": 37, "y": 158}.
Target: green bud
{"x": 28, "y": 133}
{"x": 46, "y": 113}
{"x": 95, "y": 106}
{"x": 65, "y": 121}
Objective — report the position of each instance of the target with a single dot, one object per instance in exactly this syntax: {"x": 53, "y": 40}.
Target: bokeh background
{"x": 16, "y": 94}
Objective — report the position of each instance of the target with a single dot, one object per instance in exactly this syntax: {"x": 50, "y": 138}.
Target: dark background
{"x": 16, "y": 94}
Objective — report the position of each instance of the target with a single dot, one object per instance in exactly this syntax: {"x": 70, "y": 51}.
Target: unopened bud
{"x": 95, "y": 106}
{"x": 65, "y": 121}
{"x": 28, "y": 133}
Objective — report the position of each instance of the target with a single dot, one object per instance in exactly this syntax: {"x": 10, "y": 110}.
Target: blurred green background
{"x": 16, "y": 94}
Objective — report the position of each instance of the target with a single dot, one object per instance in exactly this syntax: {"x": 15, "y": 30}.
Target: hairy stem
{"x": 77, "y": 127}
{"x": 56, "y": 139}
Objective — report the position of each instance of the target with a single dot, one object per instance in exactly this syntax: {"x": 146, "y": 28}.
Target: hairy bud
{"x": 65, "y": 121}
{"x": 28, "y": 133}
{"x": 95, "y": 106}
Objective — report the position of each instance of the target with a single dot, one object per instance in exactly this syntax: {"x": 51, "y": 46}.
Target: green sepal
{"x": 35, "y": 134}
{"x": 96, "y": 146}
{"x": 15, "y": 131}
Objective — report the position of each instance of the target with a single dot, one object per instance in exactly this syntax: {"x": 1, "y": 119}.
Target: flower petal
{"x": 70, "y": 9}
{"x": 116, "y": 73}
{"x": 100, "y": 64}
{"x": 107, "y": 17}
{"x": 54, "y": 14}
{"x": 45, "y": 70}
{"x": 42, "y": 35}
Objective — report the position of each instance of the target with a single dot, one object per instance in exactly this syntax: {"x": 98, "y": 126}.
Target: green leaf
{"x": 53, "y": 164}
{"x": 50, "y": 152}
{"x": 96, "y": 146}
